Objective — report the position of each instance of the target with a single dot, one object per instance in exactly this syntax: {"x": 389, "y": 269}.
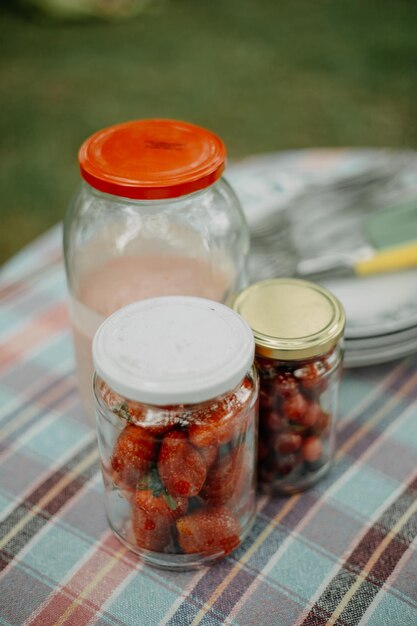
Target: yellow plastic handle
{"x": 389, "y": 260}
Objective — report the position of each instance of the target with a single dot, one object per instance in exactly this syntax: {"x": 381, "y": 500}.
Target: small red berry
{"x": 286, "y": 464}
{"x": 272, "y": 420}
{"x": 286, "y": 443}
{"x": 295, "y": 407}
{"x": 266, "y": 367}
{"x": 322, "y": 424}
{"x": 312, "y": 449}
{"x": 311, "y": 415}
{"x": 312, "y": 376}
{"x": 267, "y": 398}
{"x": 285, "y": 384}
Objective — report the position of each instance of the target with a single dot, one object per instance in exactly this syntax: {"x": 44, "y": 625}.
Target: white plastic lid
{"x": 173, "y": 349}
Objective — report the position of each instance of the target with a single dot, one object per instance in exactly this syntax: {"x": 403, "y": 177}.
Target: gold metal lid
{"x": 291, "y": 318}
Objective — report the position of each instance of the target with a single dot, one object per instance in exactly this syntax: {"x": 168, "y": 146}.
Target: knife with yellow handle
{"x": 363, "y": 262}
{"x": 389, "y": 260}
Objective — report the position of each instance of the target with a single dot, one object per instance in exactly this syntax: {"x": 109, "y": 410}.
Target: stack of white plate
{"x": 381, "y": 313}
{"x": 303, "y": 204}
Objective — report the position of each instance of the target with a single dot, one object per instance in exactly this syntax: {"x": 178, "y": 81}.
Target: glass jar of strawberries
{"x": 298, "y": 329}
{"x": 176, "y": 397}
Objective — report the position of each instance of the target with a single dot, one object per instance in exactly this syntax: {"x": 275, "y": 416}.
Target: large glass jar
{"x": 298, "y": 328}
{"x": 153, "y": 216}
{"x": 176, "y": 407}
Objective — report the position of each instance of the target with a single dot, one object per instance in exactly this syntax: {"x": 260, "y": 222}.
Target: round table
{"x": 343, "y": 552}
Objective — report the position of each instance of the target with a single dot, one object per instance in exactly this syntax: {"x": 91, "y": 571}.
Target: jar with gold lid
{"x": 298, "y": 328}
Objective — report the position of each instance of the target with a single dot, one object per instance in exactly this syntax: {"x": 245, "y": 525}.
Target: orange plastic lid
{"x": 152, "y": 159}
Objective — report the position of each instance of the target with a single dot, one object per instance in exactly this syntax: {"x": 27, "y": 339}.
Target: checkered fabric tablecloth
{"x": 344, "y": 552}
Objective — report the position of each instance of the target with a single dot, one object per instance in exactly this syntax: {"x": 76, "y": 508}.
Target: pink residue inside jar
{"x": 126, "y": 279}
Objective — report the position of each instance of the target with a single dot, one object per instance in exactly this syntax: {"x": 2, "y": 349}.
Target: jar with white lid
{"x": 298, "y": 328}
{"x": 153, "y": 216}
{"x": 176, "y": 400}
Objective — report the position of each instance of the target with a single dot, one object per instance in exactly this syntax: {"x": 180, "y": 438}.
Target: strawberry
{"x": 153, "y": 518}
{"x": 152, "y": 532}
{"x": 160, "y": 504}
{"x": 242, "y": 501}
{"x": 110, "y": 397}
{"x": 217, "y": 426}
{"x": 209, "y": 455}
{"x": 135, "y": 410}
{"x": 156, "y": 421}
{"x": 160, "y": 420}
{"x": 208, "y": 531}
{"x": 248, "y": 383}
{"x": 181, "y": 467}
{"x": 223, "y": 478}
{"x": 133, "y": 454}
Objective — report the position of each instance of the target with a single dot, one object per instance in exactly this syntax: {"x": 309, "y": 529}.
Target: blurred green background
{"x": 267, "y": 75}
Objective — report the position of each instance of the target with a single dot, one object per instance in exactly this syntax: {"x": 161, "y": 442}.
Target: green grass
{"x": 266, "y": 75}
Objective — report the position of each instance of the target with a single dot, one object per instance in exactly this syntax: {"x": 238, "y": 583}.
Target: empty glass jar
{"x": 153, "y": 216}
{"x": 176, "y": 398}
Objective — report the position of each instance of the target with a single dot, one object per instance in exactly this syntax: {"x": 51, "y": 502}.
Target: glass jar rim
{"x": 123, "y": 407}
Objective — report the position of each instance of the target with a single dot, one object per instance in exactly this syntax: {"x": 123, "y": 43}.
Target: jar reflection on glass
{"x": 298, "y": 328}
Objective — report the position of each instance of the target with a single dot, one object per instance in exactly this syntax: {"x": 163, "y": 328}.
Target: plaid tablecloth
{"x": 344, "y": 552}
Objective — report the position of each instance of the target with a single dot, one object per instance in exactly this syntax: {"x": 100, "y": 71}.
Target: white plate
{"x": 265, "y": 182}
{"x": 380, "y": 341}
{"x": 377, "y": 304}
{"x": 360, "y": 358}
